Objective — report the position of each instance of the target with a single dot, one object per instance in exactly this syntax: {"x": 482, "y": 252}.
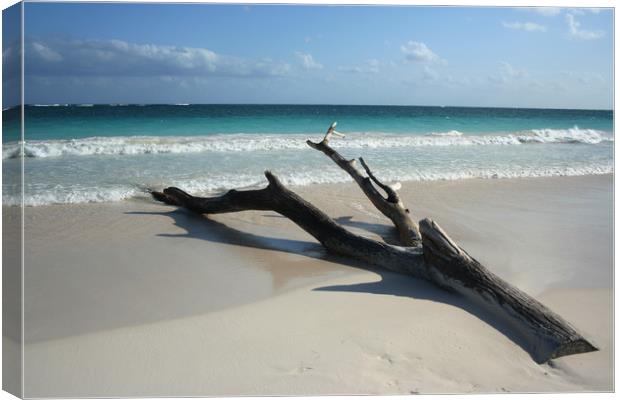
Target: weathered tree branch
{"x": 439, "y": 260}
{"x": 391, "y": 192}
{"x": 276, "y": 197}
{"x": 392, "y": 206}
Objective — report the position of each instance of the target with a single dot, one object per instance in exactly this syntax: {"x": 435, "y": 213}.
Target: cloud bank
{"x": 546, "y": 11}
{"x": 525, "y": 26}
{"x": 370, "y": 66}
{"x": 120, "y": 58}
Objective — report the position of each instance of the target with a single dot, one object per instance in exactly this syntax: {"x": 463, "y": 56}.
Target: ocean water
{"x": 103, "y": 153}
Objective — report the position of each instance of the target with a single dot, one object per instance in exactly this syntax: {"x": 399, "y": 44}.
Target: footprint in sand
{"x": 386, "y": 357}
{"x": 302, "y": 369}
{"x": 392, "y": 383}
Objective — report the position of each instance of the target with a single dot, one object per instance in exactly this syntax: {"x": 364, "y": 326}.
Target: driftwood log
{"x": 390, "y": 206}
{"x": 429, "y": 254}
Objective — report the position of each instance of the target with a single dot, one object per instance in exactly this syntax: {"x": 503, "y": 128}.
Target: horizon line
{"x": 298, "y": 104}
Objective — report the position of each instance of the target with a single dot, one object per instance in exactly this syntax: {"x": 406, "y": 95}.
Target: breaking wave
{"x": 221, "y": 182}
{"x": 260, "y": 142}
{"x": 449, "y": 133}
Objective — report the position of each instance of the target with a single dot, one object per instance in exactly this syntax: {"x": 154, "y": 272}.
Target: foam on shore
{"x": 222, "y": 182}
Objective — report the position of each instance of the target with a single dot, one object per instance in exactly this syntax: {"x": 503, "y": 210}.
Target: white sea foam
{"x": 573, "y": 135}
{"x": 218, "y": 183}
{"x": 261, "y": 142}
{"x": 71, "y": 171}
{"x": 72, "y": 196}
{"x": 449, "y": 133}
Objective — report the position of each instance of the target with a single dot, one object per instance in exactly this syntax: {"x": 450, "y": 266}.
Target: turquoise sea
{"x": 100, "y": 153}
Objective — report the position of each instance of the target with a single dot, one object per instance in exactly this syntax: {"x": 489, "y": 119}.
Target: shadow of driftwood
{"x": 395, "y": 284}
{"x": 387, "y": 232}
{"x": 217, "y": 232}
{"x": 390, "y": 284}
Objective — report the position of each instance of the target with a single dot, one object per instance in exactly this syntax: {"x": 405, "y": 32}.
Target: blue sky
{"x": 200, "y": 53}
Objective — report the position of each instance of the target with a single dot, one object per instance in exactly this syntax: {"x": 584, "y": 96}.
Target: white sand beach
{"x": 140, "y": 299}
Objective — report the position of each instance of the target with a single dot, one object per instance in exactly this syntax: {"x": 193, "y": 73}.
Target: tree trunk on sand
{"x": 438, "y": 260}
{"x": 450, "y": 267}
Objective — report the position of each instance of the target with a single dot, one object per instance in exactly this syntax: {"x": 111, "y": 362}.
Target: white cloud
{"x": 270, "y": 67}
{"x": 584, "y": 10}
{"x": 546, "y": 11}
{"x": 120, "y": 58}
{"x": 44, "y": 52}
{"x": 351, "y": 70}
{"x": 575, "y": 30}
{"x": 307, "y": 61}
{"x": 585, "y": 78}
{"x": 431, "y": 78}
{"x": 508, "y": 70}
{"x": 370, "y": 66}
{"x": 525, "y": 26}
{"x": 418, "y": 51}
{"x": 313, "y": 38}
{"x": 507, "y": 73}
{"x": 553, "y": 11}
